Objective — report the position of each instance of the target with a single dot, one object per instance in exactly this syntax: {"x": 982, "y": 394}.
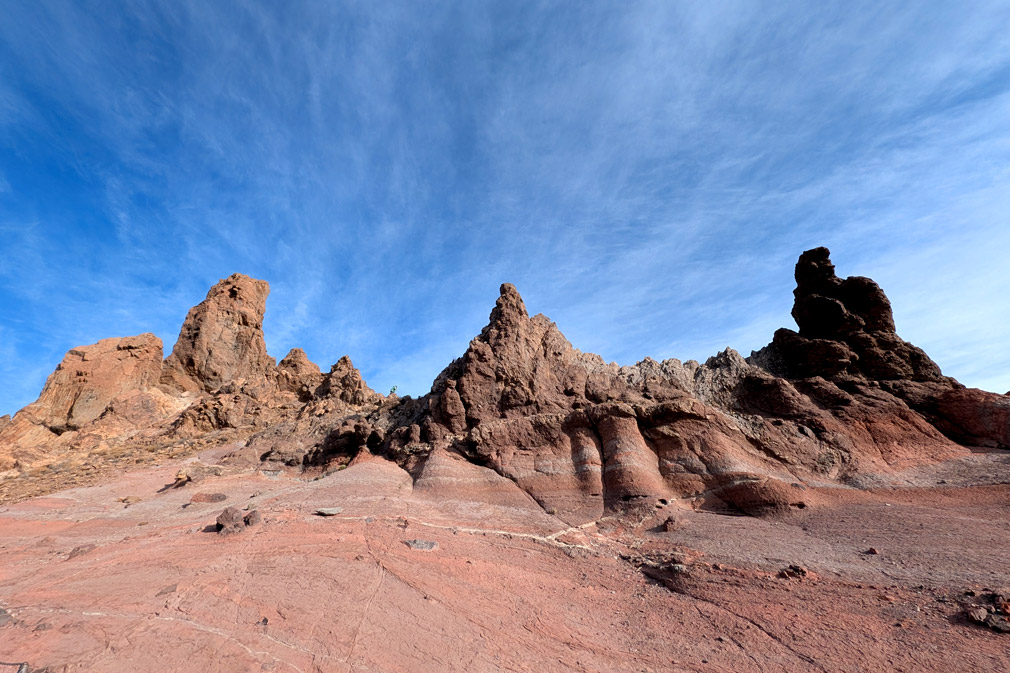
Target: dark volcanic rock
{"x": 230, "y": 521}
{"x": 847, "y": 336}
{"x": 846, "y": 330}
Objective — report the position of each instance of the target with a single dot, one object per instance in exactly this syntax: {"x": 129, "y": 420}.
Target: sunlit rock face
{"x": 221, "y": 340}
{"x": 844, "y": 398}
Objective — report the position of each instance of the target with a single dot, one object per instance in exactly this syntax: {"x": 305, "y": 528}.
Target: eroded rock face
{"x": 339, "y": 415}
{"x": 221, "y": 340}
{"x": 846, "y": 330}
{"x": 582, "y": 436}
{"x": 844, "y": 398}
{"x": 847, "y": 338}
{"x": 90, "y": 377}
{"x": 833, "y": 401}
{"x": 83, "y": 386}
{"x": 299, "y": 375}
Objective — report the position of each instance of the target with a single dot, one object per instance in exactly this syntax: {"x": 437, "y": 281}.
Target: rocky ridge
{"x": 843, "y": 399}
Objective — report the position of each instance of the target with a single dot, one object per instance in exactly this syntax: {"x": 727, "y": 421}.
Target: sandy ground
{"x": 91, "y": 583}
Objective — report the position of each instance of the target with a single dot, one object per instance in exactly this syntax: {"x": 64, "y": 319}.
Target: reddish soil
{"x": 89, "y": 582}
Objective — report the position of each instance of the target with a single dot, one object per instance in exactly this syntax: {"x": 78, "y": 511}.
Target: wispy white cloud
{"x": 646, "y": 173}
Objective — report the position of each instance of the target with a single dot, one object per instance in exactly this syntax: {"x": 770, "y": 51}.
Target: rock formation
{"x": 83, "y": 386}
{"x": 221, "y": 340}
{"x": 529, "y": 465}
{"x": 844, "y": 398}
{"x": 846, "y": 331}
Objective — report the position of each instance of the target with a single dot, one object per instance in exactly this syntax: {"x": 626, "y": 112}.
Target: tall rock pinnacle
{"x": 846, "y": 330}
{"x": 222, "y": 338}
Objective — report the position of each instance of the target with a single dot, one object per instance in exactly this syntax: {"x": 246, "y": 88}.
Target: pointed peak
{"x": 296, "y": 360}
{"x": 344, "y": 364}
{"x": 221, "y": 339}
{"x": 346, "y": 383}
{"x": 509, "y": 290}
{"x": 509, "y": 307}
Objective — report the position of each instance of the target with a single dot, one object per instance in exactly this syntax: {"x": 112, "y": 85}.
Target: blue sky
{"x": 645, "y": 173}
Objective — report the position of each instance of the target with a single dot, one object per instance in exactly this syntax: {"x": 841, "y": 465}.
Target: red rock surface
{"x": 538, "y": 510}
{"x": 92, "y": 584}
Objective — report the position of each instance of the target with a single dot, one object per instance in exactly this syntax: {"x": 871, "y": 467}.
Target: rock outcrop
{"x": 90, "y": 377}
{"x": 846, "y": 331}
{"x": 847, "y": 339}
{"x": 221, "y": 340}
{"x": 843, "y": 399}
{"x": 79, "y": 392}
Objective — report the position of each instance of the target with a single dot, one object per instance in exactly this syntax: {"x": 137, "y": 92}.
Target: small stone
{"x": 793, "y": 571}
{"x": 329, "y": 511}
{"x": 230, "y": 521}
{"x": 208, "y": 497}
{"x": 80, "y": 551}
{"x": 998, "y": 623}
{"x": 252, "y": 518}
{"x": 423, "y": 545}
{"x": 978, "y": 615}
{"x": 872, "y": 551}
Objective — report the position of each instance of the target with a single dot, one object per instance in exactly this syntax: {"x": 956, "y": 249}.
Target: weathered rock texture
{"x": 844, "y": 398}
{"x": 221, "y": 340}
{"x": 519, "y": 469}
{"x": 846, "y": 330}
{"x": 78, "y": 393}
{"x": 117, "y": 401}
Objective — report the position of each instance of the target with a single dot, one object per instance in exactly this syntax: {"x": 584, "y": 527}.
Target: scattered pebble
{"x": 423, "y": 545}
{"x": 80, "y": 551}
{"x": 793, "y": 571}
{"x": 208, "y": 497}
{"x": 329, "y": 511}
